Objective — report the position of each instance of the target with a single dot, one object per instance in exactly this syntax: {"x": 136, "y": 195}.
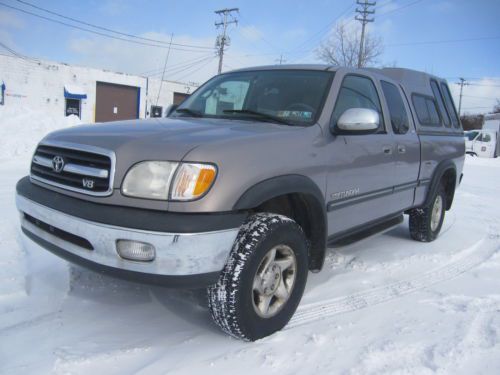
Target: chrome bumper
{"x": 177, "y": 254}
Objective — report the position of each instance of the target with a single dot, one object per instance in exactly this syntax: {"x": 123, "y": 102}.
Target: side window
{"x": 356, "y": 92}
{"x": 427, "y": 112}
{"x": 439, "y": 98}
{"x": 450, "y": 106}
{"x": 486, "y": 138}
{"x": 399, "y": 117}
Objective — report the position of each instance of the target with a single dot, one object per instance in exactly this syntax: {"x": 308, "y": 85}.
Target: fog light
{"x": 134, "y": 250}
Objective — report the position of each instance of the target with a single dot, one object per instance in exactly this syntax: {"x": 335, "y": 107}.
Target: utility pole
{"x": 164, "y": 68}
{"x": 462, "y": 83}
{"x": 226, "y": 18}
{"x": 364, "y": 12}
{"x": 281, "y": 60}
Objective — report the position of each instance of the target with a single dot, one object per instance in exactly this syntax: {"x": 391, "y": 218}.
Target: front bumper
{"x": 182, "y": 259}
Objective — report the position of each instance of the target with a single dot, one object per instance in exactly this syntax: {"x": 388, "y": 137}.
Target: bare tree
{"x": 342, "y": 48}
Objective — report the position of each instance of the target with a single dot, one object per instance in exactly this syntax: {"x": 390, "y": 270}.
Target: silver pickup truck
{"x": 247, "y": 182}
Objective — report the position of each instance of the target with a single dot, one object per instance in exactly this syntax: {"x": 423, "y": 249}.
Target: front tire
{"x": 263, "y": 280}
{"x": 426, "y": 222}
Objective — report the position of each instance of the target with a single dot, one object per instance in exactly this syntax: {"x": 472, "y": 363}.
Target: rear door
{"x": 407, "y": 144}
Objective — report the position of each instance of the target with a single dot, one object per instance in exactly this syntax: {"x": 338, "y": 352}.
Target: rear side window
{"x": 399, "y": 117}
{"x": 427, "y": 112}
{"x": 450, "y": 106}
{"x": 356, "y": 92}
{"x": 439, "y": 98}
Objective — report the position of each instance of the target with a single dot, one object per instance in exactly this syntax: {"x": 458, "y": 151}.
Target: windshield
{"x": 293, "y": 97}
{"x": 471, "y": 135}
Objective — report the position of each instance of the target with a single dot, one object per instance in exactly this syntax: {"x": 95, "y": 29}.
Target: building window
{"x": 156, "y": 110}
{"x": 73, "y": 107}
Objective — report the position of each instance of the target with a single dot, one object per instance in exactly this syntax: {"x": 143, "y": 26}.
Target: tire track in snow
{"x": 483, "y": 250}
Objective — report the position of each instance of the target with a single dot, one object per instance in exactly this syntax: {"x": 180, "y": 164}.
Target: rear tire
{"x": 426, "y": 222}
{"x": 263, "y": 280}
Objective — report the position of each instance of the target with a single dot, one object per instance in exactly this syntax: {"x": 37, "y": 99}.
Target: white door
{"x": 484, "y": 145}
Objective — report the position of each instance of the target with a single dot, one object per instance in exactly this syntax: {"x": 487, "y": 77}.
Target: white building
{"x": 94, "y": 95}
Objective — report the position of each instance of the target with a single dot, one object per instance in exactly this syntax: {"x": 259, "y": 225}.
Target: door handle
{"x": 387, "y": 150}
{"x": 401, "y": 149}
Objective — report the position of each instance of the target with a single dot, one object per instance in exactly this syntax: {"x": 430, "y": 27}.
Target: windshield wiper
{"x": 189, "y": 112}
{"x": 261, "y": 115}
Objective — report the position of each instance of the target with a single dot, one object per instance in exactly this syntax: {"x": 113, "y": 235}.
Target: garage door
{"x": 179, "y": 97}
{"x": 116, "y": 102}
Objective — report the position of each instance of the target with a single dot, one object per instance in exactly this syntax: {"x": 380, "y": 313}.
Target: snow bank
{"x": 20, "y": 130}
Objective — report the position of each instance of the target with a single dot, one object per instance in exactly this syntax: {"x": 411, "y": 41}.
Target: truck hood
{"x": 162, "y": 139}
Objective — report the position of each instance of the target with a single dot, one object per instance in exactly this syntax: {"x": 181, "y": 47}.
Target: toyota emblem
{"x": 58, "y": 164}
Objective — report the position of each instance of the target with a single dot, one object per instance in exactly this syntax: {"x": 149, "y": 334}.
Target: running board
{"x": 364, "y": 233}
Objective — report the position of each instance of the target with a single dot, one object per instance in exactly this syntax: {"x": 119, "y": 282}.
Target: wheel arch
{"x": 298, "y": 197}
{"x": 445, "y": 174}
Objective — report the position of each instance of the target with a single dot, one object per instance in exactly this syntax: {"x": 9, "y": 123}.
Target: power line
{"x": 110, "y": 30}
{"x": 479, "y": 97}
{"x": 442, "y": 41}
{"x": 26, "y": 59}
{"x": 153, "y": 72}
{"x": 185, "y": 67}
{"x": 324, "y": 30}
{"x": 483, "y": 85}
{"x": 197, "y": 68}
{"x": 260, "y": 36}
{"x": 399, "y": 8}
{"x": 97, "y": 32}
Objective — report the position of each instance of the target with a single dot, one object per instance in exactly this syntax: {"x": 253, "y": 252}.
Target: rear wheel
{"x": 263, "y": 280}
{"x": 426, "y": 222}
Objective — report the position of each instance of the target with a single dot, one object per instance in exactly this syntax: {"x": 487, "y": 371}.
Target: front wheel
{"x": 263, "y": 279}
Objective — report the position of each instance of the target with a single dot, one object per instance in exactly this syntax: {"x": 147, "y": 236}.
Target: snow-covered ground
{"x": 385, "y": 306}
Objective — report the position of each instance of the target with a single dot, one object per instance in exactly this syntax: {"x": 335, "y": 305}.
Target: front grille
{"x": 59, "y": 233}
{"x": 73, "y": 169}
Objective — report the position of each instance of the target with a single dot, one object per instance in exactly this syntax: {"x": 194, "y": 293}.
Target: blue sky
{"x": 266, "y": 30}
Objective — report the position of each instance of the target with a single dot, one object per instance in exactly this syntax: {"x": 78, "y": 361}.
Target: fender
{"x": 440, "y": 170}
{"x": 313, "y": 199}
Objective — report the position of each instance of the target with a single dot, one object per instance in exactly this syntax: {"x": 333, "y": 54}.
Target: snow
{"x": 387, "y": 305}
{"x": 74, "y": 90}
{"x": 22, "y": 129}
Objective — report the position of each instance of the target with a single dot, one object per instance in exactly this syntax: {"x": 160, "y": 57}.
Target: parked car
{"x": 242, "y": 189}
{"x": 483, "y": 143}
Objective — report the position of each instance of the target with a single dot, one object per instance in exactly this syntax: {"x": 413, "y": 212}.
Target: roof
{"x": 412, "y": 80}
{"x": 288, "y": 67}
{"x": 398, "y": 74}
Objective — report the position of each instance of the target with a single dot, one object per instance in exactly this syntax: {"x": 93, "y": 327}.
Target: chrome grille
{"x": 79, "y": 168}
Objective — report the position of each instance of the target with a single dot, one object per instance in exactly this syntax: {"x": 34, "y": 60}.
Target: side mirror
{"x": 358, "y": 120}
{"x": 170, "y": 109}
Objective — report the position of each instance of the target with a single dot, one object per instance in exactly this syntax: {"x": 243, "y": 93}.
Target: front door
{"x": 361, "y": 166}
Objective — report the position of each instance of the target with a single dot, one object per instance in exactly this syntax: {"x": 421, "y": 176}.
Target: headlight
{"x": 192, "y": 181}
{"x": 149, "y": 179}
